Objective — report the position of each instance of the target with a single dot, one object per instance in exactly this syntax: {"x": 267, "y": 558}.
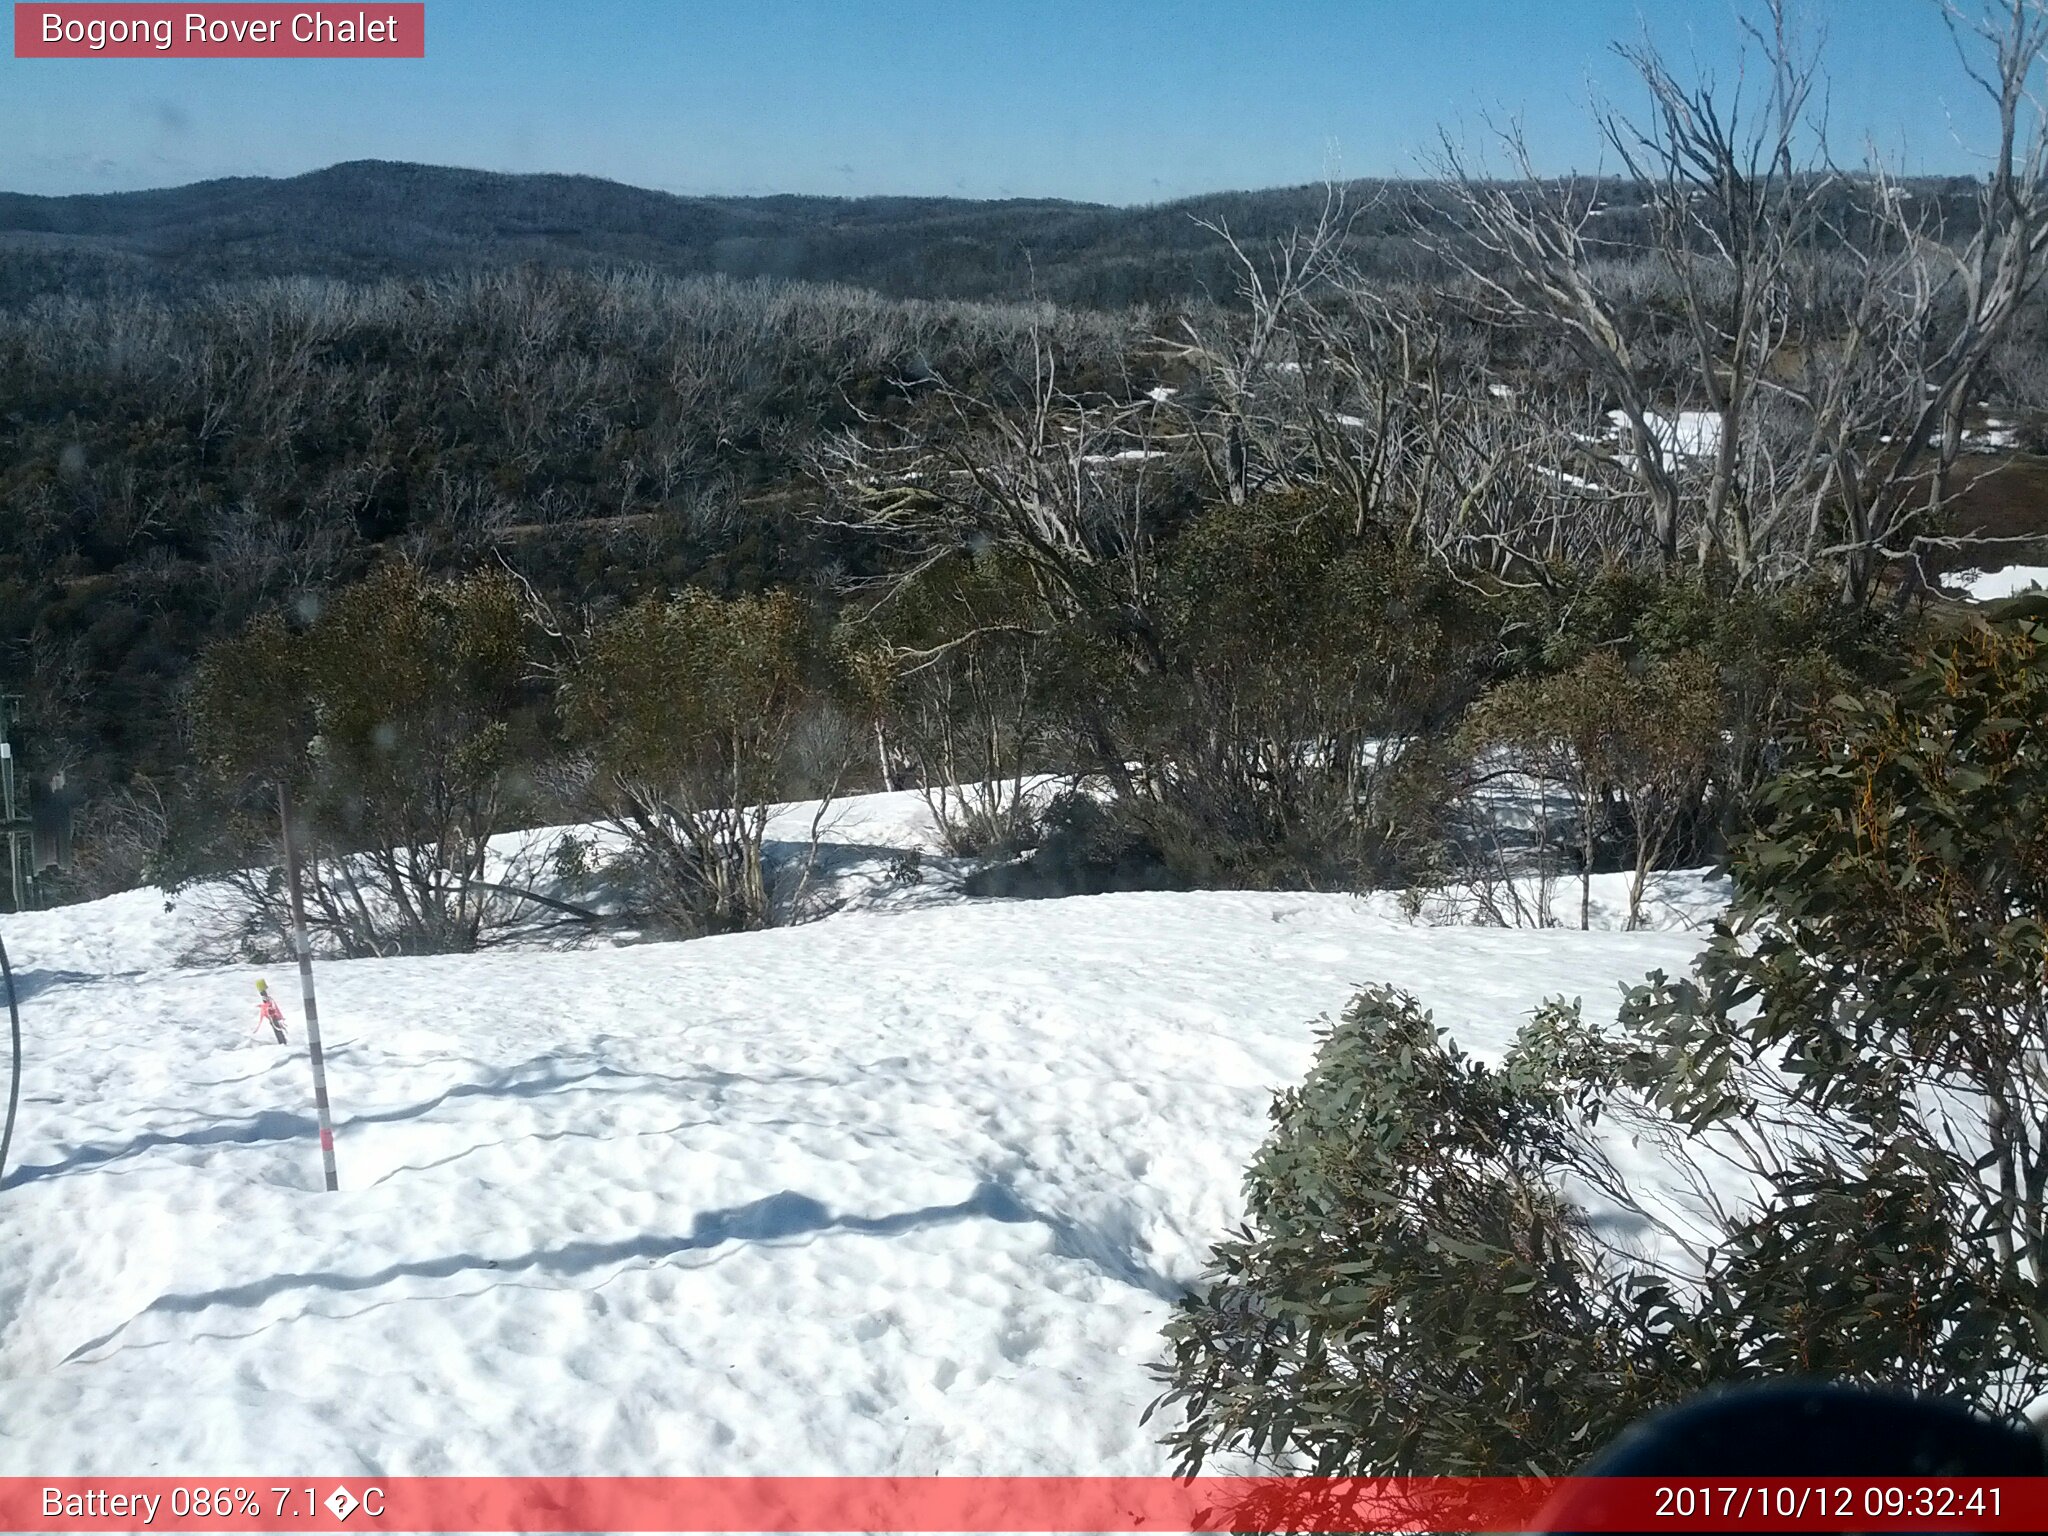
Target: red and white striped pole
{"x": 291, "y": 860}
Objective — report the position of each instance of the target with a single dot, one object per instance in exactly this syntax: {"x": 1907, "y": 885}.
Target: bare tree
{"x": 1931, "y": 311}
{"x": 1527, "y": 249}
{"x": 1061, "y": 483}
{"x": 1731, "y": 206}
{"x": 1834, "y": 331}
{"x": 1253, "y": 369}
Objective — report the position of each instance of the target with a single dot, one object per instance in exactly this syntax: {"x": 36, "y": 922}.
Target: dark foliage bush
{"x": 402, "y": 720}
{"x": 1411, "y": 1295}
{"x": 1775, "y": 653}
{"x": 1286, "y": 737}
{"x": 1631, "y": 750}
{"x": 684, "y": 711}
{"x": 1086, "y": 847}
{"x": 1860, "y": 1044}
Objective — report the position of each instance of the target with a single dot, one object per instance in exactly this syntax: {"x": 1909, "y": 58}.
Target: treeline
{"x": 1256, "y": 562}
{"x": 167, "y": 471}
{"x": 1310, "y": 708}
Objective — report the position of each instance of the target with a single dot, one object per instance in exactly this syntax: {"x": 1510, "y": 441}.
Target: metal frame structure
{"x": 14, "y": 817}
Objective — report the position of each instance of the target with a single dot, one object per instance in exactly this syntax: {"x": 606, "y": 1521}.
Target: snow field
{"x": 902, "y": 1191}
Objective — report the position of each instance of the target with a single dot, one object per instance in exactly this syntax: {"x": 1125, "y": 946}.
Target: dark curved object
{"x": 14, "y": 1079}
{"x": 1810, "y": 1429}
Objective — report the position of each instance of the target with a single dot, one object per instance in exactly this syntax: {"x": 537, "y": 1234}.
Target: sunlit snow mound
{"x": 906, "y": 1190}
{"x": 2011, "y": 581}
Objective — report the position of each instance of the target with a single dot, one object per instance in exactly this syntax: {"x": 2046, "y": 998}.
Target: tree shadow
{"x": 778, "y": 1217}
{"x": 28, "y": 984}
{"x": 278, "y": 1126}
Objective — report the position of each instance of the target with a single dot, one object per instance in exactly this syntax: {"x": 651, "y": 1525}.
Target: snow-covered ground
{"x": 1995, "y": 436}
{"x": 906, "y": 1190}
{"x": 1687, "y": 434}
{"x": 1990, "y": 586}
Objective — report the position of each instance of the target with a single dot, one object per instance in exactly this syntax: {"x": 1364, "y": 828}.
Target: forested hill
{"x": 377, "y": 219}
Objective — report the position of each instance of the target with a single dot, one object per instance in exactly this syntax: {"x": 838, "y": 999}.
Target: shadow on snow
{"x": 778, "y": 1217}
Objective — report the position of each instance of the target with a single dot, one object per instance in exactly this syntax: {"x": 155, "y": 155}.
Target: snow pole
{"x": 291, "y": 861}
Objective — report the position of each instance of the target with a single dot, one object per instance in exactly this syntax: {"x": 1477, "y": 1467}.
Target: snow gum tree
{"x": 685, "y": 709}
{"x": 1630, "y": 747}
{"x": 1304, "y": 673}
{"x": 1410, "y": 1293}
{"x": 1853, "y": 1080}
{"x": 1832, "y": 333}
{"x": 399, "y": 717}
{"x": 1872, "y": 1022}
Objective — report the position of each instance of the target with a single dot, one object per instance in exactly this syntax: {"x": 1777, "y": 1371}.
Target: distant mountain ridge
{"x": 369, "y": 219}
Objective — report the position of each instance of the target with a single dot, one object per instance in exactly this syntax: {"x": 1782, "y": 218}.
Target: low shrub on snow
{"x": 1632, "y": 751}
{"x": 1861, "y": 1044}
{"x": 1410, "y": 1293}
{"x": 402, "y": 719}
{"x": 687, "y": 709}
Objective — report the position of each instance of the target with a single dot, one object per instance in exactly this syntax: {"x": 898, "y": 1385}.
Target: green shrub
{"x": 1632, "y": 748}
{"x": 402, "y": 720}
{"x": 685, "y": 709}
{"x": 1874, "y": 1013}
{"x": 1285, "y": 737}
{"x": 1862, "y": 1041}
{"x": 1411, "y": 1294}
{"x": 1774, "y": 653}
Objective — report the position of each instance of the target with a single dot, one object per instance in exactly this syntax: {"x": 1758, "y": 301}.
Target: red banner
{"x": 265, "y": 31}
{"x": 1146, "y": 1505}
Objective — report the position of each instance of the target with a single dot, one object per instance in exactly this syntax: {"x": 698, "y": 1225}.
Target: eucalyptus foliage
{"x": 1858, "y": 1062}
{"x": 684, "y": 709}
{"x": 1411, "y": 1294}
{"x": 1873, "y": 1016}
{"x": 400, "y": 717}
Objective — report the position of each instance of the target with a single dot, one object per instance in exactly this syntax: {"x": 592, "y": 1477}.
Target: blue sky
{"x": 1124, "y": 101}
